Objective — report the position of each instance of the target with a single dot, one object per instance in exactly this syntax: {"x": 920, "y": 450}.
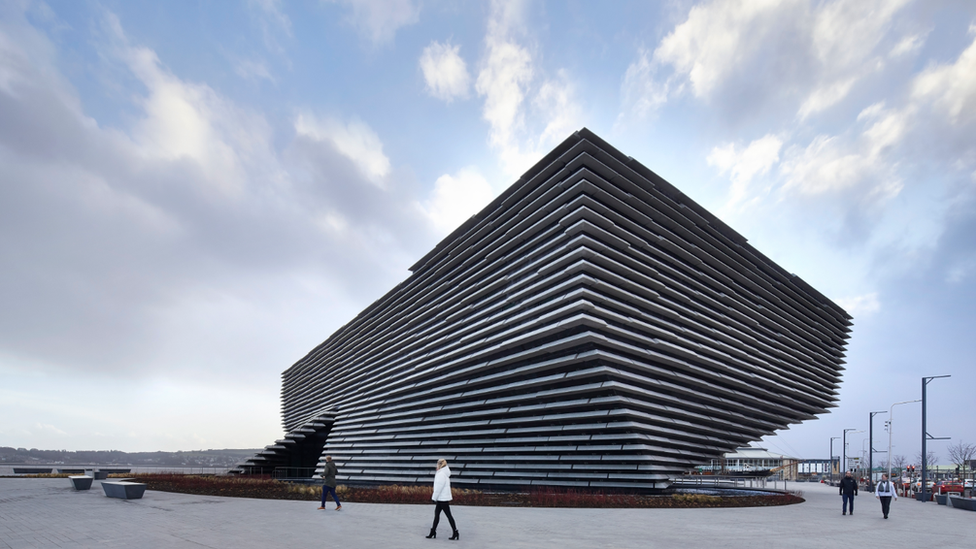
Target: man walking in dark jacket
{"x": 848, "y": 489}
{"x": 329, "y": 482}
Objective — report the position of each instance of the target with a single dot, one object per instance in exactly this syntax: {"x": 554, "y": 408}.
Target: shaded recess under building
{"x": 591, "y": 327}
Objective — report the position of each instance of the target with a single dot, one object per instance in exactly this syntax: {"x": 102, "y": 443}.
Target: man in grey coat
{"x": 329, "y": 482}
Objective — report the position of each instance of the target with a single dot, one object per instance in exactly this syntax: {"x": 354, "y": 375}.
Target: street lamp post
{"x": 832, "y": 439}
{"x": 927, "y": 436}
{"x": 891, "y": 427}
{"x": 871, "y": 449}
{"x": 844, "y": 449}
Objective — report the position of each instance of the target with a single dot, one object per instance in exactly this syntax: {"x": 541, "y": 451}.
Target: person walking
{"x": 442, "y": 498}
{"x": 848, "y": 489}
{"x": 884, "y": 491}
{"x": 329, "y": 483}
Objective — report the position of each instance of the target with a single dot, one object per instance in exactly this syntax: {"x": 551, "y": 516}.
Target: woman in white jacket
{"x": 442, "y": 498}
{"x": 884, "y": 491}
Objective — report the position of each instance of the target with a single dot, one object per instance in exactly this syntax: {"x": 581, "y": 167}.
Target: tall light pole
{"x": 844, "y": 449}
{"x": 832, "y": 439}
{"x": 871, "y": 449}
{"x": 891, "y": 421}
{"x": 927, "y": 436}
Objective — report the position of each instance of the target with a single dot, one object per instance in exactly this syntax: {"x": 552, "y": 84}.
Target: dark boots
{"x": 433, "y": 534}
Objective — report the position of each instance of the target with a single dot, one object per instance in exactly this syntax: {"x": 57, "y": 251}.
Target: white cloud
{"x": 272, "y": 12}
{"x": 713, "y": 41}
{"x": 187, "y": 121}
{"x": 812, "y": 52}
{"x": 825, "y": 96}
{"x": 871, "y": 112}
{"x": 951, "y": 87}
{"x": 834, "y": 163}
{"x": 272, "y": 21}
{"x": 455, "y": 198}
{"x": 845, "y": 36}
{"x": 378, "y": 20}
{"x": 557, "y": 105}
{"x": 756, "y": 159}
{"x": 252, "y": 70}
{"x": 354, "y": 140}
{"x": 863, "y": 161}
{"x": 444, "y": 71}
{"x": 156, "y": 245}
{"x": 907, "y": 45}
{"x": 505, "y": 80}
{"x": 642, "y": 92}
{"x": 861, "y": 305}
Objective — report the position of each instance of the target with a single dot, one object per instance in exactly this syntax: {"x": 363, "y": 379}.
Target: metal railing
{"x": 731, "y": 481}
{"x": 294, "y": 473}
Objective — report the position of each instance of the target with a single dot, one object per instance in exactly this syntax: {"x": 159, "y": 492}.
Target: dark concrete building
{"x": 591, "y": 327}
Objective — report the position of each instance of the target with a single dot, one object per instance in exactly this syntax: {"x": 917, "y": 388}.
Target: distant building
{"x": 755, "y": 461}
{"x": 592, "y": 327}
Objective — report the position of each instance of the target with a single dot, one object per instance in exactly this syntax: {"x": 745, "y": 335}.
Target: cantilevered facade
{"x": 591, "y": 327}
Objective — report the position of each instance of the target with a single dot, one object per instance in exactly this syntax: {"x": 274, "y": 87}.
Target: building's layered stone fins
{"x": 292, "y": 454}
{"x": 591, "y": 327}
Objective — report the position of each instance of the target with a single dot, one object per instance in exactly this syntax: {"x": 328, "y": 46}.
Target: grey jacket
{"x": 328, "y": 476}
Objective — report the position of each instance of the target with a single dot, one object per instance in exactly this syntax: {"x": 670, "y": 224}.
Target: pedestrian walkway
{"x": 49, "y": 513}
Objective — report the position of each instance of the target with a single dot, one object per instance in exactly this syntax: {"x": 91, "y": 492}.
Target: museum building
{"x": 591, "y": 327}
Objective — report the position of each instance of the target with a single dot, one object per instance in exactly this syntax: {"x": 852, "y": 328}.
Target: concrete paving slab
{"x": 49, "y": 513}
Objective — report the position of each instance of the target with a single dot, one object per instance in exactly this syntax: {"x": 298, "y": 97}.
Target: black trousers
{"x": 446, "y": 507}
{"x": 885, "y": 505}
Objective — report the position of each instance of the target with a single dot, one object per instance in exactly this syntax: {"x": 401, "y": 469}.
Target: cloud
{"x": 177, "y": 242}
{"x": 951, "y": 87}
{"x": 272, "y": 21}
{"x": 909, "y": 44}
{"x": 870, "y": 161}
{"x": 642, "y": 93}
{"x": 250, "y": 69}
{"x": 556, "y": 102}
{"x": 445, "y": 72}
{"x": 756, "y": 159}
{"x": 715, "y": 39}
{"x": 507, "y": 77}
{"x": 745, "y": 56}
{"x": 503, "y": 80}
{"x": 833, "y": 163}
{"x": 861, "y": 305}
{"x": 378, "y": 20}
{"x": 355, "y": 140}
{"x": 455, "y": 198}
{"x": 844, "y": 39}
{"x": 272, "y": 12}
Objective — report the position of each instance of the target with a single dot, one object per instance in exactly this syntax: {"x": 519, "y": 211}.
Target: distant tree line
{"x": 193, "y": 458}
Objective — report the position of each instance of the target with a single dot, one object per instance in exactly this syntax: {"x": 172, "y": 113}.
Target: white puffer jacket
{"x": 442, "y": 484}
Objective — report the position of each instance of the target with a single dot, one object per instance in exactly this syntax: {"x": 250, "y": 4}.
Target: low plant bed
{"x": 267, "y": 488}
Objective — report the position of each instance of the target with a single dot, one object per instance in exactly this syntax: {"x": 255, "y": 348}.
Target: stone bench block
{"x": 963, "y": 503}
{"x": 124, "y": 490}
{"x": 81, "y": 482}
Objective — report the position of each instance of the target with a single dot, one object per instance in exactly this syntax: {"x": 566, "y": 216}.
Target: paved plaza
{"x": 49, "y": 513}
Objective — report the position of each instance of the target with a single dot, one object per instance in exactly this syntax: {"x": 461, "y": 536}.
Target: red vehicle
{"x": 947, "y": 486}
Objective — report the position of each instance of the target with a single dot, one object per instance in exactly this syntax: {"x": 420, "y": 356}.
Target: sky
{"x": 195, "y": 194}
